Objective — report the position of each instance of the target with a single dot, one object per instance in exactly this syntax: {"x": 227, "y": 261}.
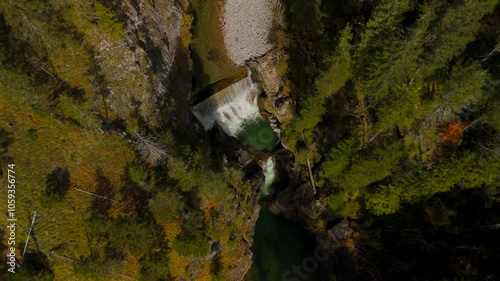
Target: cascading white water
{"x": 235, "y": 109}
{"x": 269, "y": 171}
{"x": 231, "y": 108}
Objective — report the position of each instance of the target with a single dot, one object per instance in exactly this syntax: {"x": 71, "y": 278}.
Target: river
{"x": 278, "y": 243}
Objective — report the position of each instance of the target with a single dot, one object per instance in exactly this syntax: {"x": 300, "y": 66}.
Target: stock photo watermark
{"x": 11, "y": 218}
{"x": 309, "y": 265}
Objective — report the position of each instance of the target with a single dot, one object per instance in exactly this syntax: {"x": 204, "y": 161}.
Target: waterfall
{"x": 231, "y": 108}
{"x": 234, "y": 108}
{"x": 269, "y": 171}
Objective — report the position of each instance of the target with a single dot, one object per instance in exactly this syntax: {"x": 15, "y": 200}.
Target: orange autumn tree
{"x": 453, "y": 132}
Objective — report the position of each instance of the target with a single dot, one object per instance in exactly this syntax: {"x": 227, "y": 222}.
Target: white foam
{"x": 231, "y": 108}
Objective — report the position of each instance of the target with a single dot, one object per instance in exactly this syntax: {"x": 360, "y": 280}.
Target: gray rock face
{"x": 149, "y": 71}
{"x": 140, "y": 72}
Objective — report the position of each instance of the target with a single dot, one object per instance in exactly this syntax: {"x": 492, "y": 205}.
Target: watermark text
{"x": 11, "y": 218}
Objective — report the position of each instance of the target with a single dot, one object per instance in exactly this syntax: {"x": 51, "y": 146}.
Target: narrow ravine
{"x": 278, "y": 244}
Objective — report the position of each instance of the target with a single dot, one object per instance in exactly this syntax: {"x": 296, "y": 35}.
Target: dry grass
{"x": 59, "y": 145}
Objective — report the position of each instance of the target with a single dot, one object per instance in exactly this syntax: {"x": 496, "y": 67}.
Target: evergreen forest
{"x": 392, "y": 125}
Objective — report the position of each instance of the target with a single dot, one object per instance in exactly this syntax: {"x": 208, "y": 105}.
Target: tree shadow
{"x": 111, "y": 252}
{"x": 135, "y": 199}
{"x": 37, "y": 265}
{"x": 101, "y": 206}
{"x": 6, "y": 139}
{"x": 56, "y": 186}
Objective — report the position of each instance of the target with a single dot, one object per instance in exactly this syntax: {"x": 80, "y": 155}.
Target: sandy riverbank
{"x": 246, "y": 27}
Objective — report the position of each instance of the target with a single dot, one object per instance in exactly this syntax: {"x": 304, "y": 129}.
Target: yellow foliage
{"x": 172, "y": 229}
{"x": 177, "y": 265}
{"x": 59, "y": 145}
{"x": 349, "y": 243}
{"x": 186, "y": 37}
{"x": 132, "y": 267}
{"x": 73, "y": 63}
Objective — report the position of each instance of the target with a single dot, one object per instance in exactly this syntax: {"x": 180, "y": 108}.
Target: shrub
{"x": 96, "y": 268}
{"x": 155, "y": 269}
{"x": 191, "y": 246}
{"x": 137, "y": 174}
{"x": 57, "y": 185}
{"x": 166, "y": 205}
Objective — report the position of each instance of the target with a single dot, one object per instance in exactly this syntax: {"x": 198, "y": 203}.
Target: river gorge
{"x": 278, "y": 244}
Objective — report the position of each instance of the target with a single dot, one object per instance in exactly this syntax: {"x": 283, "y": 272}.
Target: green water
{"x": 259, "y": 135}
{"x": 210, "y": 61}
{"x": 278, "y": 245}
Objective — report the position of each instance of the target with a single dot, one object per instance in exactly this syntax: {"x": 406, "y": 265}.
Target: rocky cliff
{"x": 148, "y": 72}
